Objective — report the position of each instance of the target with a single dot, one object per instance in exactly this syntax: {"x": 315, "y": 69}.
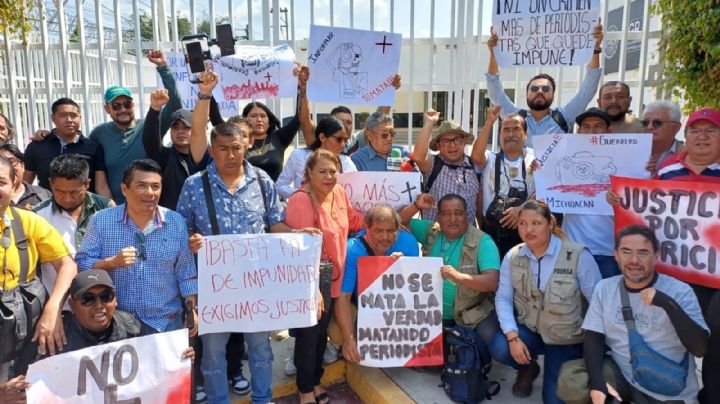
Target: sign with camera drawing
{"x": 574, "y": 170}
{"x": 352, "y": 66}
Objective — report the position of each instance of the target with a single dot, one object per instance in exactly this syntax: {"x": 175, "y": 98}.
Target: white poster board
{"x": 148, "y": 369}
{"x": 400, "y": 311}
{"x": 258, "y": 282}
{"x": 574, "y": 169}
{"x": 366, "y": 189}
{"x": 352, "y": 66}
{"x": 544, "y": 33}
{"x": 257, "y": 72}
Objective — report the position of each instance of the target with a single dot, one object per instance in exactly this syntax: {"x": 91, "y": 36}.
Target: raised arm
{"x": 157, "y": 57}
{"x": 480, "y": 146}
{"x": 198, "y": 135}
{"x": 306, "y": 123}
{"x": 493, "y": 67}
{"x": 422, "y": 145}
{"x": 496, "y": 92}
{"x": 152, "y": 138}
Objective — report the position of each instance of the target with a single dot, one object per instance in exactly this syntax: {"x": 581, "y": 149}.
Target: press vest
{"x": 471, "y": 306}
{"x": 557, "y": 314}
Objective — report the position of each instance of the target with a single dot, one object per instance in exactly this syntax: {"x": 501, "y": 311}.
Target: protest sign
{"x": 146, "y": 369}
{"x": 257, "y": 72}
{"x": 544, "y": 32}
{"x": 189, "y": 91}
{"x": 684, "y": 216}
{"x": 352, "y": 66}
{"x": 400, "y": 311}
{"x": 574, "y": 170}
{"x": 366, "y": 189}
{"x": 258, "y": 282}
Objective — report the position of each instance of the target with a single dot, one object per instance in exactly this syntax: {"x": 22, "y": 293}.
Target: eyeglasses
{"x": 341, "y": 139}
{"x": 117, "y": 106}
{"x": 448, "y": 141}
{"x": 140, "y": 252}
{"x": 387, "y": 134}
{"x": 642, "y": 254}
{"x": 656, "y": 123}
{"x": 697, "y": 132}
{"x": 89, "y": 299}
{"x": 545, "y": 89}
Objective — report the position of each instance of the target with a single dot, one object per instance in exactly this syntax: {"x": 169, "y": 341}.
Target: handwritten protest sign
{"x": 257, "y": 72}
{"x": 189, "y": 91}
{"x": 684, "y": 216}
{"x": 544, "y": 32}
{"x": 258, "y": 282}
{"x": 574, "y": 170}
{"x": 367, "y": 189}
{"x": 399, "y": 311}
{"x": 352, "y": 66}
{"x": 146, "y": 369}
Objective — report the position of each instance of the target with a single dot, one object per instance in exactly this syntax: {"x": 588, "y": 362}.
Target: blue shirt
{"x": 366, "y": 159}
{"x": 243, "y": 212}
{"x": 405, "y": 243}
{"x": 150, "y": 289}
{"x": 587, "y": 272}
{"x": 547, "y": 125}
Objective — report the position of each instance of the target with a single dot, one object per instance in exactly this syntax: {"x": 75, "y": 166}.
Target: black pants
{"x": 711, "y": 361}
{"x": 310, "y": 343}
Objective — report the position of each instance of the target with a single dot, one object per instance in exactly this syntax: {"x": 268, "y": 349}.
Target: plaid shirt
{"x": 151, "y": 288}
{"x": 461, "y": 179}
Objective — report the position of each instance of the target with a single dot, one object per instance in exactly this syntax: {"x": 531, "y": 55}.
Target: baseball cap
{"x": 183, "y": 115}
{"x": 705, "y": 114}
{"x": 87, "y": 279}
{"x": 596, "y": 112}
{"x": 116, "y": 91}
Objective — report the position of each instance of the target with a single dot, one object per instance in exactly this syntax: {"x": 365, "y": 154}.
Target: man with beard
{"x": 540, "y": 118}
{"x": 71, "y": 205}
{"x": 122, "y": 138}
{"x": 615, "y": 99}
{"x": 665, "y": 313}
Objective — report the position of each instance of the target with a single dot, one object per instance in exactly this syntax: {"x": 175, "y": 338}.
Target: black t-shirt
{"x": 269, "y": 154}
{"x": 38, "y": 156}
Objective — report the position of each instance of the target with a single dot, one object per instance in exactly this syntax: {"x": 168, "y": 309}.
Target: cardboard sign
{"x": 257, "y": 72}
{"x": 684, "y": 216}
{"x": 366, "y": 189}
{"x": 145, "y": 369}
{"x": 574, "y": 169}
{"x": 258, "y": 282}
{"x": 352, "y": 66}
{"x": 544, "y": 32}
{"x": 400, "y": 311}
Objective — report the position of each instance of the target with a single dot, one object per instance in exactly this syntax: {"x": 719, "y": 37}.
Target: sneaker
{"x": 281, "y": 335}
{"x": 200, "y": 396}
{"x": 240, "y": 385}
{"x": 290, "y": 369}
{"x": 523, "y": 381}
{"x": 331, "y": 354}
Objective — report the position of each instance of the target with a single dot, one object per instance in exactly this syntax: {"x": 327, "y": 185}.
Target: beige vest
{"x": 471, "y": 306}
{"x": 556, "y": 314}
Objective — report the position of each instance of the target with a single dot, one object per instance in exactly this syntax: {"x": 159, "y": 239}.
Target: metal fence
{"x": 79, "y": 47}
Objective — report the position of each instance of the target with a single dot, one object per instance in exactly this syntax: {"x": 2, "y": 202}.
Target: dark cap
{"x": 593, "y": 112}
{"x": 183, "y": 115}
{"x": 87, "y": 279}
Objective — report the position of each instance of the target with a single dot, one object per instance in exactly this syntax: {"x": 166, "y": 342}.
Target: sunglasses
{"x": 341, "y": 139}
{"x": 545, "y": 88}
{"x": 89, "y": 299}
{"x": 140, "y": 252}
{"x": 656, "y": 123}
{"x": 387, "y": 135}
{"x": 117, "y": 106}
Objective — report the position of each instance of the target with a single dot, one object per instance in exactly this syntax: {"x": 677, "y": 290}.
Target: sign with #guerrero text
{"x": 399, "y": 311}
{"x": 352, "y": 66}
{"x": 258, "y": 282}
{"x": 574, "y": 170}
{"x": 366, "y": 189}
{"x": 145, "y": 369}
{"x": 544, "y": 32}
{"x": 684, "y": 216}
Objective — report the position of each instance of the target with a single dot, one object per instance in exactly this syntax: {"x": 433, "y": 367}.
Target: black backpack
{"x": 438, "y": 164}
{"x": 464, "y": 377}
{"x": 554, "y": 114}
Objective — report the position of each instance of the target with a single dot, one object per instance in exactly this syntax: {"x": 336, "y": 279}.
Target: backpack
{"x": 464, "y": 377}
{"x": 438, "y": 164}
{"x": 554, "y": 114}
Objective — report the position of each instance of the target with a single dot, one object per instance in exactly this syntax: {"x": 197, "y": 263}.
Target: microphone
{"x": 394, "y": 160}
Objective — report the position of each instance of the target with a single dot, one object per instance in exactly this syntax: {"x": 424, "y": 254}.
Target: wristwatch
{"x": 598, "y": 50}
{"x": 202, "y": 96}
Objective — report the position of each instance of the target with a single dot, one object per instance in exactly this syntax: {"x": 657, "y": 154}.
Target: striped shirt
{"x": 674, "y": 168}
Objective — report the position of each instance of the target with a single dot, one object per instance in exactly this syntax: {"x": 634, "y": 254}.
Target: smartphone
{"x": 225, "y": 39}
{"x": 195, "y": 57}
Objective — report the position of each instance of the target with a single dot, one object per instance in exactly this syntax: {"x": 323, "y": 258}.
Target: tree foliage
{"x": 691, "y": 39}
{"x": 14, "y": 17}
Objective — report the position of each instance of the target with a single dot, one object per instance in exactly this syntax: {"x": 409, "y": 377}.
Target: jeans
{"x": 214, "y": 366}
{"x": 175, "y": 323}
{"x": 607, "y": 264}
{"x": 555, "y": 356}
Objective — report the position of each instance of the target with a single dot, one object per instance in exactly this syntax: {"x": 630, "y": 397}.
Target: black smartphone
{"x": 195, "y": 57}
{"x": 225, "y": 39}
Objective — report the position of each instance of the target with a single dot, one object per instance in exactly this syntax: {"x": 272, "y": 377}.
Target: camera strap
{"x": 499, "y": 165}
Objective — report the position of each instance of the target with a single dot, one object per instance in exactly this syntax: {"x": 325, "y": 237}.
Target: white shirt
{"x": 505, "y": 177}
{"x": 66, "y": 226}
{"x": 294, "y": 171}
